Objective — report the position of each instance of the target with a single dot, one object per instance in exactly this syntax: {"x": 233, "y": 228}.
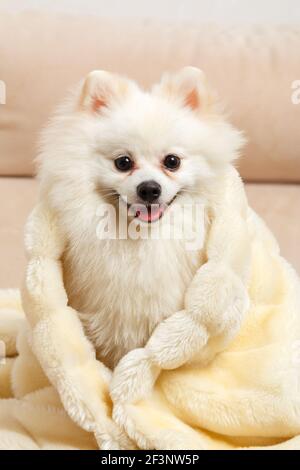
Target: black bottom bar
{"x": 134, "y": 459}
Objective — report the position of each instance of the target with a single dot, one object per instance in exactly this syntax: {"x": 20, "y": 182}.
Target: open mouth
{"x": 148, "y": 213}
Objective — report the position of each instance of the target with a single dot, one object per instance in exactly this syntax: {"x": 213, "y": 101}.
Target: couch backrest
{"x": 252, "y": 68}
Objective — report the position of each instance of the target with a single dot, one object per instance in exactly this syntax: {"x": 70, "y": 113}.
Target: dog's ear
{"x": 188, "y": 87}
{"x": 102, "y": 89}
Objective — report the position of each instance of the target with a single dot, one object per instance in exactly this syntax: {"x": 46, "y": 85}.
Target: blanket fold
{"x": 247, "y": 397}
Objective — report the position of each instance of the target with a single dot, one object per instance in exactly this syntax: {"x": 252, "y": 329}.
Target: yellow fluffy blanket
{"x": 248, "y": 396}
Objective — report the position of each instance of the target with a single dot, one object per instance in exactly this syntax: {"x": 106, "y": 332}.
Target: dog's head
{"x": 144, "y": 148}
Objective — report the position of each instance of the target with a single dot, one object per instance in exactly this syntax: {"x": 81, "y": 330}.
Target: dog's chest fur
{"x": 124, "y": 288}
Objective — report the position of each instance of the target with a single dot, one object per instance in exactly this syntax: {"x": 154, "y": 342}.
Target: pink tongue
{"x": 150, "y": 215}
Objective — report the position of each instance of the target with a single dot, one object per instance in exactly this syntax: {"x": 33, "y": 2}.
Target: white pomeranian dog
{"x": 147, "y": 155}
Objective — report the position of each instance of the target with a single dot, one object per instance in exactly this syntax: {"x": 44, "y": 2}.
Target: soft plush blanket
{"x": 56, "y": 394}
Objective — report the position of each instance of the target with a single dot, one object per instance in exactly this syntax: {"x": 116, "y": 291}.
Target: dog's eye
{"x": 171, "y": 162}
{"x": 123, "y": 163}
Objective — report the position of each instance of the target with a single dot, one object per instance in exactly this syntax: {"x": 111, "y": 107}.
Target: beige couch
{"x": 253, "y": 70}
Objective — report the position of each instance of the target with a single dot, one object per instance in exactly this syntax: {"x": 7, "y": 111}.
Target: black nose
{"x": 149, "y": 191}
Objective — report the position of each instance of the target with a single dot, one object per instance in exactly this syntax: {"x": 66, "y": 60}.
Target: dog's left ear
{"x": 188, "y": 86}
{"x": 102, "y": 89}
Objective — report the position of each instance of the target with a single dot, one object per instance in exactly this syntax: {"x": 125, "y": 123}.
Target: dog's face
{"x": 145, "y": 149}
{"x": 144, "y": 154}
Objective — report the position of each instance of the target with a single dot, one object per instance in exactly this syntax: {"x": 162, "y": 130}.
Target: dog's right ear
{"x": 102, "y": 89}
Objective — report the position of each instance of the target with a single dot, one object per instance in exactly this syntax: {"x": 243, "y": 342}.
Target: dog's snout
{"x": 149, "y": 191}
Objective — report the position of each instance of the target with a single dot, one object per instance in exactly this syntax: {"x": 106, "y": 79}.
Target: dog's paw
{"x": 134, "y": 377}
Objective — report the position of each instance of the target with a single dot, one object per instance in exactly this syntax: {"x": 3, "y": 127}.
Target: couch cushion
{"x": 17, "y": 196}
{"x": 253, "y": 68}
{"x": 276, "y": 203}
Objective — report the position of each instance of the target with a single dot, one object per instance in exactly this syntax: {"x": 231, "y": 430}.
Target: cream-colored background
{"x": 225, "y": 11}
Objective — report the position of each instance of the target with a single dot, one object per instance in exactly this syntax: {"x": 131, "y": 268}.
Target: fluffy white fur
{"x": 124, "y": 288}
